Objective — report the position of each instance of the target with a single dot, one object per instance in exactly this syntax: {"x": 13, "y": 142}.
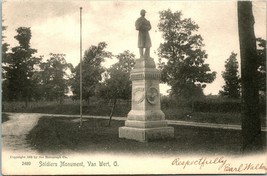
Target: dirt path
{"x": 14, "y": 131}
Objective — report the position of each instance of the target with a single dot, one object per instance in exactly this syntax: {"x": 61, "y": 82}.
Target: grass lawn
{"x": 4, "y": 117}
{"x": 185, "y": 114}
{"x": 61, "y": 134}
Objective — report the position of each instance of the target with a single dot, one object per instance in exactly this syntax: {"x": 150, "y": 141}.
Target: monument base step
{"x": 146, "y": 134}
{"x": 146, "y": 124}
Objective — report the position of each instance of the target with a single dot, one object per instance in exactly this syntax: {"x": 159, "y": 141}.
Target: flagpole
{"x": 81, "y": 96}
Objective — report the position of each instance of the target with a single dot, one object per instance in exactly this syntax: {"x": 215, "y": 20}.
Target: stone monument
{"x": 145, "y": 121}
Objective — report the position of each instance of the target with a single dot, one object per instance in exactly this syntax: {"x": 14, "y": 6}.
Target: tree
{"x": 5, "y": 55}
{"x": 231, "y": 89}
{"x": 19, "y": 68}
{"x": 4, "y": 44}
{"x": 54, "y": 77}
{"x": 117, "y": 84}
{"x": 91, "y": 71}
{"x": 251, "y": 125}
{"x": 3, "y": 28}
{"x": 4, "y": 60}
{"x": 261, "y": 51}
{"x": 185, "y": 70}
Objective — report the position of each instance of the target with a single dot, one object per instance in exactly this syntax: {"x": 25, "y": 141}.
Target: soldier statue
{"x": 144, "y": 41}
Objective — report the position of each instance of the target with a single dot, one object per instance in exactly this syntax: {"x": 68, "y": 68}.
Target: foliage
{"x": 19, "y": 68}
{"x": 92, "y": 71}
{"x": 5, "y": 56}
{"x": 53, "y": 77}
{"x": 185, "y": 70}
{"x": 4, "y": 44}
{"x": 5, "y": 52}
{"x": 117, "y": 84}
{"x": 261, "y": 51}
{"x": 3, "y": 28}
{"x": 231, "y": 89}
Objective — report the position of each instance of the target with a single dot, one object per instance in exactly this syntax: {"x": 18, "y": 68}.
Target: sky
{"x": 55, "y": 27}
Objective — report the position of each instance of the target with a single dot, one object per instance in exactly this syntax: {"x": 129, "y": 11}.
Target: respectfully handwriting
{"x": 201, "y": 162}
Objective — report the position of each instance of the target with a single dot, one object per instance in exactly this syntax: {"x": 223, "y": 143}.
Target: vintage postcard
{"x": 133, "y": 87}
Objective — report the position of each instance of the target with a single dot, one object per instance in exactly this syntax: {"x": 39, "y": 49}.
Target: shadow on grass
{"x": 61, "y": 134}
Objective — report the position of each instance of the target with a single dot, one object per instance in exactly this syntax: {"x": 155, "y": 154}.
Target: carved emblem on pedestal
{"x": 152, "y": 95}
{"x": 138, "y": 95}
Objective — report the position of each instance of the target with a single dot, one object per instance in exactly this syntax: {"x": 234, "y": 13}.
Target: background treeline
{"x": 32, "y": 83}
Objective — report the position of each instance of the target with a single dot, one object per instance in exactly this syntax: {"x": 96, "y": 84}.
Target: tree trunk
{"x": 112, "y": 111}
{"x": 251, "y": 126}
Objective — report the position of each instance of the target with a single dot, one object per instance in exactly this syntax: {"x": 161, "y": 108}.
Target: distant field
{"x": 103, "y": 108}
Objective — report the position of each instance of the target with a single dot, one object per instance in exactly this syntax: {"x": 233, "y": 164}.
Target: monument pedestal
{"x": 145, "y": 121}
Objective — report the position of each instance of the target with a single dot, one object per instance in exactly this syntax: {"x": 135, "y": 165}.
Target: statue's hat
{"x": 142, "y": 11}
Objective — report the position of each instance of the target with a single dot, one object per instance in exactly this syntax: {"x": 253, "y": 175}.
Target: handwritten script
{"x": 201, "y": 162}
{"x": 221, "y": 163}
